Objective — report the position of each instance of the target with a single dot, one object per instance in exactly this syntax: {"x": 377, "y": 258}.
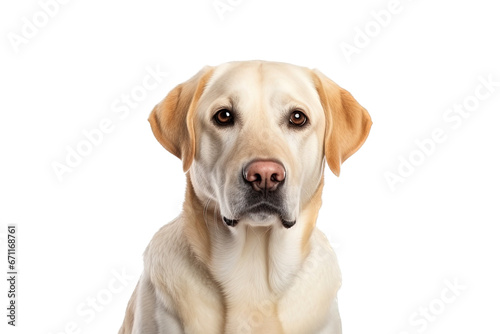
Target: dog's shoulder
{"x": 168, "y": 254}
{"x": 182, "y": 282}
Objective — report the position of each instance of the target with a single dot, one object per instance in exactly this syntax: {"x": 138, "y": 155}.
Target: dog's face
{"x": 259, "y": 152}
{"x": 254, "y": 136}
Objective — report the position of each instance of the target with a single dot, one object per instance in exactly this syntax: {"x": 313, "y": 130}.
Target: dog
{"x": 244, "y": 255}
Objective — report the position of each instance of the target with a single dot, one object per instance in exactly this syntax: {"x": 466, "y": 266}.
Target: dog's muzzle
{"x": 263, "y": 195}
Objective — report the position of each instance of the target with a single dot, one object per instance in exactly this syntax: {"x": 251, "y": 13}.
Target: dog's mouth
{"x": 261, "y": 212}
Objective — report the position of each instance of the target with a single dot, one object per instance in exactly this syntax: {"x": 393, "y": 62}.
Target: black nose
{"x": 264, "y": 175}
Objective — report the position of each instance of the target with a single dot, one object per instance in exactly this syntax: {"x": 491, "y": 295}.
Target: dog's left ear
{"x": 172, "y": 120}
{"x": 347, "y": 122}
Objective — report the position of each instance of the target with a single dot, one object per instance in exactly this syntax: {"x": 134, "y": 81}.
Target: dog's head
{"x": 254, "y": 136}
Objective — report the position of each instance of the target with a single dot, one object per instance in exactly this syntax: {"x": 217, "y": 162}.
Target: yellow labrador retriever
{"x": 244, "y": 256}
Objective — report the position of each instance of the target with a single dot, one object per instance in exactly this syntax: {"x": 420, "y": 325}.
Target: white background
{"x": 396, "y": 248}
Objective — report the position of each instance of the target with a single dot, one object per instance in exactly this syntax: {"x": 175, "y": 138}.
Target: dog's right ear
{"x": 172, "y": 120}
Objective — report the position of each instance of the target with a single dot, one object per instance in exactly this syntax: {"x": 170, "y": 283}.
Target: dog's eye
{"x": 224, "y": 117}
{"x": 297, "y": 118}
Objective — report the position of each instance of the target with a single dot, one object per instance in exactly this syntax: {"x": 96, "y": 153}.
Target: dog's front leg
{"x": 146, "y": 314}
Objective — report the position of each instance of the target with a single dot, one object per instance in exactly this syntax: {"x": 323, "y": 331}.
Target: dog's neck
{"x": 252, "y": 265}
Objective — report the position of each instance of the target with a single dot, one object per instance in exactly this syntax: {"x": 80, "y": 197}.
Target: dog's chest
{"x": 253, "y": 268}
{"x": 269, "y": 288}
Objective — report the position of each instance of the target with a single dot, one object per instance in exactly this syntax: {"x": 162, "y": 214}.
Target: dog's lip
{"x": 230, "y": 222}
{"x": 287, "y": 223}
{"x": 261, "y": 207}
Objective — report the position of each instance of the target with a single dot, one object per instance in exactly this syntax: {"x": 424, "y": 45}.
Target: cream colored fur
{"x": 204, "y": 277}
